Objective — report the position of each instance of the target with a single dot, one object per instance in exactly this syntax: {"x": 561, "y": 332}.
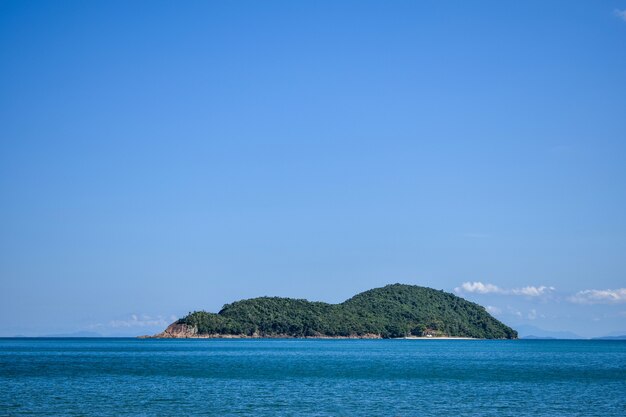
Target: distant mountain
{"x": 621, "y": 337}
{"x": 531, "y": 332}
{"x": 393, "y": 311}
{"x": 75, "y": 334}
{"x": 533, "y": 337}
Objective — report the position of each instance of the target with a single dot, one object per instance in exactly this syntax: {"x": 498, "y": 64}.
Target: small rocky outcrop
{"x": 178, "y": 331}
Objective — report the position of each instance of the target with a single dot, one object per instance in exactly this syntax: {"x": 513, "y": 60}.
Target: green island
{"x": 393, "y": 311}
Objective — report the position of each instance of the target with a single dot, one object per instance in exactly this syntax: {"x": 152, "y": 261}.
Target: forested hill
{"x": 393, "y": 311}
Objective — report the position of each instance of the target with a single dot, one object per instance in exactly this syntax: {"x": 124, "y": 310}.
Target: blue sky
{"x": 157, "y": 158}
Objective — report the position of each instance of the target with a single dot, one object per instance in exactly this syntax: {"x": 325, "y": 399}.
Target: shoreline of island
{"x": 439, "y": 338}
{"x": 362, "y": 337}
{"x": 178, "y": 331}
{"x": 183, "y": 331}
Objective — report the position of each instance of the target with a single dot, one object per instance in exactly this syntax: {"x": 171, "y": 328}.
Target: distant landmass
{"x": 392, "y": 311}
{"x": 621, "y": 337}
{"x": 75, "y": 334}
{"x": 531, "y": 332}
{"x": 533, "y": 337}
{"x": 63, "y": 335}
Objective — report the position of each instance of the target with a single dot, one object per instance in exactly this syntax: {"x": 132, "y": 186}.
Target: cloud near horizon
{"x": 139, "y": 320}
{"x": 599, "y": 296}
{"x": 478, "y": 287}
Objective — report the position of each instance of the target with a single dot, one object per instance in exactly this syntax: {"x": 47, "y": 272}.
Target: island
{"x": 393, "y": 311}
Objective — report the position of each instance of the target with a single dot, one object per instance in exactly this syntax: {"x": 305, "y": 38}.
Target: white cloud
{"x": 531, "y": 291}
{"x": 620, "y": 13}
{"x": 493, "y": 310}
{"x": 480, "y": 288}
{"x": 599, "y": 296}
{"x": 142, "y": 320}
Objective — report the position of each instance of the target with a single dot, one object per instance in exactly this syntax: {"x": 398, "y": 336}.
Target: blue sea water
{"x": 265, "y": 377}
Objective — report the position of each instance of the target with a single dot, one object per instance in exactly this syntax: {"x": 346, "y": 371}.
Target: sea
{"x": 293, "y": 377}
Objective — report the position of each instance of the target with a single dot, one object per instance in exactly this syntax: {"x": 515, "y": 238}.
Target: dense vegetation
{"x": 392, "y": 311}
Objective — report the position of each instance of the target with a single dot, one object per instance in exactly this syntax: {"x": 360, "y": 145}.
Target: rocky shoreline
{"x": 183, "y": 331}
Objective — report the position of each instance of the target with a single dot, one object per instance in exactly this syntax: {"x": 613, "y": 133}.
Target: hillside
{"x": 392, "y": 311}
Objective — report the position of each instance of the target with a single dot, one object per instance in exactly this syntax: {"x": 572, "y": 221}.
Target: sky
{"x": 158, "y": 158}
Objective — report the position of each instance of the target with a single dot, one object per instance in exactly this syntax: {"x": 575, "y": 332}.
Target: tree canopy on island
{"x": 392, "y": 311}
